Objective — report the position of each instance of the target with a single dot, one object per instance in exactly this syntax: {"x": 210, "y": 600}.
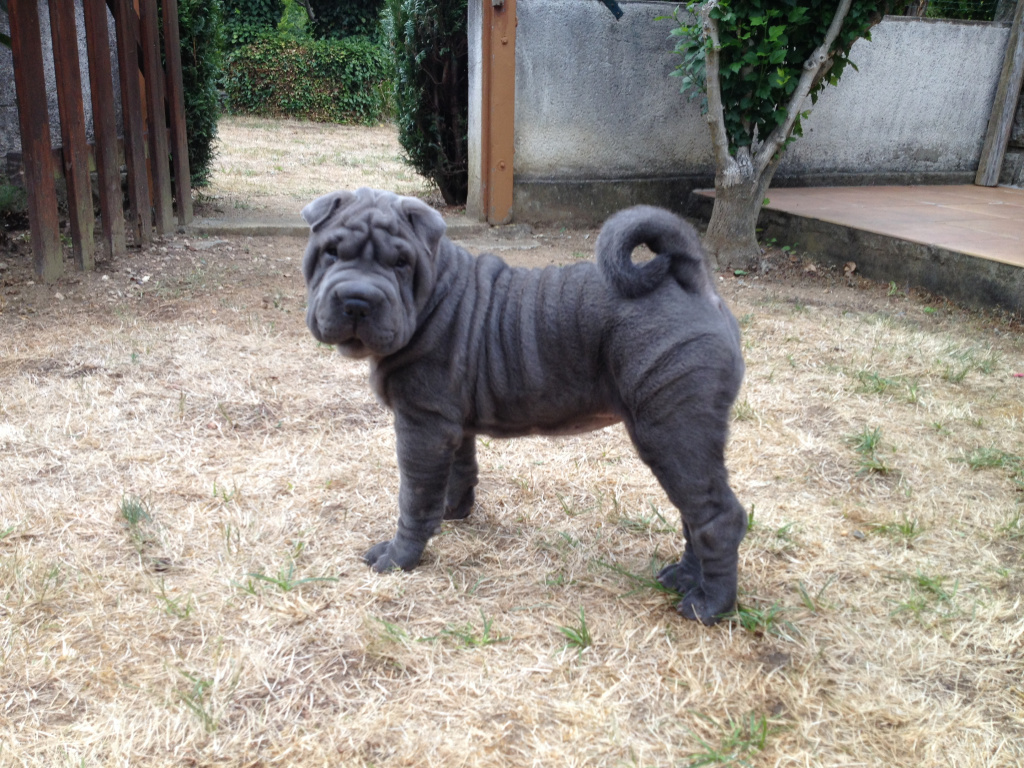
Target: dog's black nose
{"x": 357, "y": 309}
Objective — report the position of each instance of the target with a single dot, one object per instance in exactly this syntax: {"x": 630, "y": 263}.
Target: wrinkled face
{"x": 369, "y": 269}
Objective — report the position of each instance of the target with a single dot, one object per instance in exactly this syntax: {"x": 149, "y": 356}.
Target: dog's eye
{"x": 401, "y": 263}
{"x": 327, "y": 259}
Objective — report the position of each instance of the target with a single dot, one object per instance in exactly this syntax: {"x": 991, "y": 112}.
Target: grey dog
{"x": 461, "y": 346}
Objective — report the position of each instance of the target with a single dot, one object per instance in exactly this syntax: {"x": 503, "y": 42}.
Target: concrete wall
{"x": 600, "y": 124}
{"x": 10, "y": 133}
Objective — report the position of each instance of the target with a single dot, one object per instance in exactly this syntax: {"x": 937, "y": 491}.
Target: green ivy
{"x": 431, "y": 59}
{"x": 764, "y": 44}
{"x": 340, "y": 81}
{"x": 246, "y": 20}
{"x": 336, "y": 19}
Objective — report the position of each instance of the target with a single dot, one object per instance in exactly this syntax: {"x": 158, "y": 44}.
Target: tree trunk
{"x": 731, "y": 237}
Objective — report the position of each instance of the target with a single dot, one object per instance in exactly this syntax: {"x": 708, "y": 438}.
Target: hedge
{"x": 339, "y": 81}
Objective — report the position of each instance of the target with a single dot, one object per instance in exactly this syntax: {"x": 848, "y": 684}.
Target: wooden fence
{"x": 153, "y": 127}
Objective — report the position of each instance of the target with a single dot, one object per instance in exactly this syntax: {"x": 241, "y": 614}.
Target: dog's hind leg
{"x": 686, "y": 453}
{"x": 462, "y": 481}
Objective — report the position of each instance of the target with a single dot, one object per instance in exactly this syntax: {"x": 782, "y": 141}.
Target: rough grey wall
{"x": 10, "y": 134}
{"x": 600, "y": 124}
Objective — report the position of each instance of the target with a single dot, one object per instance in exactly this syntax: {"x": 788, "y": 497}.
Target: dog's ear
{"x": 426, "y": 222}
{"x": 321, "y": 209}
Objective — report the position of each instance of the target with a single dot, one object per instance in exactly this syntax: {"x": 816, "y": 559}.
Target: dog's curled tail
{"x": 675, "y": 243}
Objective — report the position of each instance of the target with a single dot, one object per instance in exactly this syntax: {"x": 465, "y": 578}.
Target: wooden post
{"x": 72, "y": 130}
{"x": 140, "y": 217}
{"x": 104, "y": 122}
{"x": 176, "y": 107}
{"x": 34, "y": 122}
{"x": 1000, "y": 124}
{"x": 159, "y": 152}
{"x": 498, "y": 92}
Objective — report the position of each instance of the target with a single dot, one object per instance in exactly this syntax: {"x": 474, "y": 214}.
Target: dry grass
{"x": 189, "y": 481}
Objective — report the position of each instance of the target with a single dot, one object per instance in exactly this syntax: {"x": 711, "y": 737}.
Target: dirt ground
{"x": 189, "y": 481}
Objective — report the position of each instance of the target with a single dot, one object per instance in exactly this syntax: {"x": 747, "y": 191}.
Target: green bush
{"x": 336, "y": 19}
{"x": 201, "y": 30}
{"x": 246, "y": 20}
{"x": 428, "y": 41}
{"x": 340, "y": 81}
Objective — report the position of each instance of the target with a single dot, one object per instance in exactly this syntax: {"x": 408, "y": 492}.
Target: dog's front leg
{"x": 426, "y": 448}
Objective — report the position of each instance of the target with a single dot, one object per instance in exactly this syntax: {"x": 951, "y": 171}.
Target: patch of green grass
{"x": 468, "y": 636}
{"x": 654, "y": 522}
{"x": 578, "y": 636}
{"x": 867, "y": 443}
{"x": 815, "y": 603}
{"x": 195, "y": 699}
{"x": 138, "y": 519}
{"x": 642, "y": 581}
{"x": 996, "y": 458}
{"x": 739, "y": 740}
{"x": 930, "y": 595}
{"x": 876, "y": 384}
{"x": 178, "y": 607}
{"x": 763, "y": 621}
{"x": 906, "y": 528}
{"x": 743, "y": 411}
{"x": 285, "y": 579}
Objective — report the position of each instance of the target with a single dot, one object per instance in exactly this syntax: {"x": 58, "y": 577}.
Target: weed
{"x": 174, "y": 606}
{"x": 743, "y": 411}
{"x": 284, "y": 580}
{"x": 578, "y": 636}
{"x": 1014, "y": 528}
{"x": 194, "y": 700}
{"x": 136, "y": 516}
{"x": 655, "y": 522}
{"x": 929, "y": 593}
{"x": 392, "y": 632}
{"x": 906, "y": 528}
{"x": 739, "y": 740}
{"x": 996, "y": 458}
{"x": 867, "y": 443}
{"x": 641, "y": 581}
{"x": 467, "y": 635}
{"x": 817, "y": 602}
{"x": 763, "y": 621}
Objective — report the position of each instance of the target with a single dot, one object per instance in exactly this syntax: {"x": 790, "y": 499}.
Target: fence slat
{"x": 34, "y": 122}
{"x": 1000, "y": 124}
{"x": 104, "y": 122}
{"x": 140, "y": 218}
{"x": 176, "y": 106}
{"x": 72, "y": 130}
{"x": 159, "y": 153}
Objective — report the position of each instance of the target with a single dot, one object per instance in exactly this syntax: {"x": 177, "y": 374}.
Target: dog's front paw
{"x": 680, "y": 577}
{"x": 389, "y": 556}
{"x": 705, "y": 606}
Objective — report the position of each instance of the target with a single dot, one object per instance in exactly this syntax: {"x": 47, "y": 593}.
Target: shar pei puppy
{"x": 462, "y": 345}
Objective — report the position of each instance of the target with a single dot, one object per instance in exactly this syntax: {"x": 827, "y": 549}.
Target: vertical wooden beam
{"x": 498, "y": 92}
{"x": 104, "y": 124}
{"x": 176, "y": 107}
{"x": 1000, "y": 124}
{"x": 159, "y": 152}
{"x": 140, "y": 217}
{"x": 72, "y": 130}
{"x": 34, "y": 122}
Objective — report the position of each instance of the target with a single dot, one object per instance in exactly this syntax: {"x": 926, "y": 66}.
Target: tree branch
{"x": 716, "y": 114}
{"x": 813, "y": 69}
